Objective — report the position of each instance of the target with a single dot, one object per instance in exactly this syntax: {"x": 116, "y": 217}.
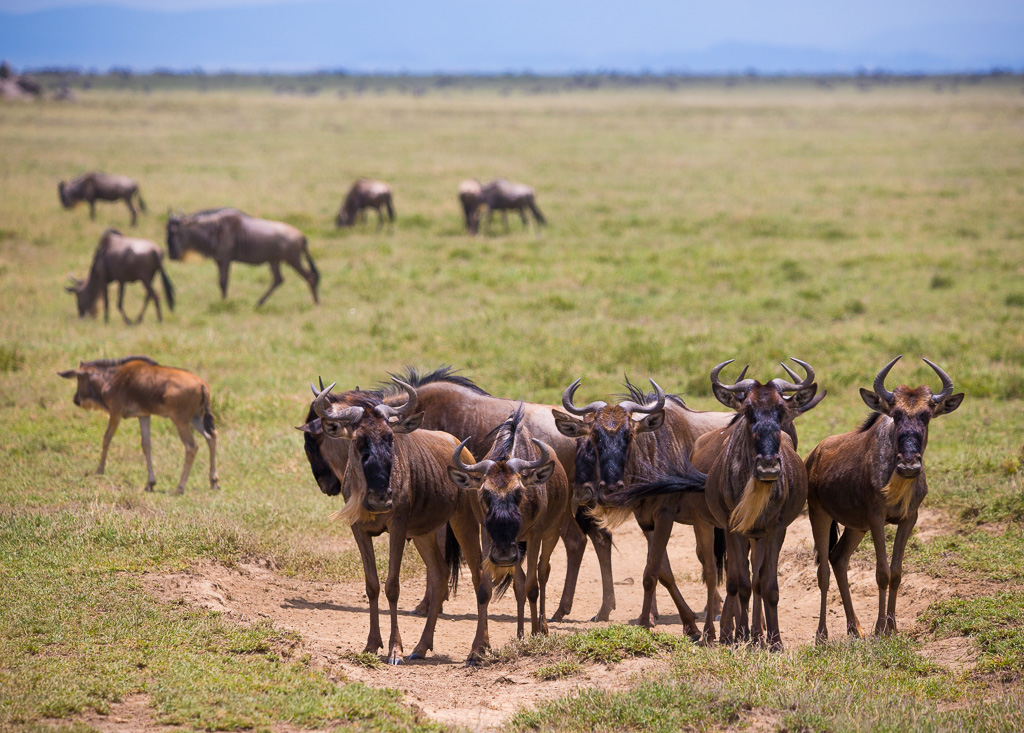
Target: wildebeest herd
{"x": 494, "y": 483}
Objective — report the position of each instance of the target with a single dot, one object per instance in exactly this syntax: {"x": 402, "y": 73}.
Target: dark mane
{"x": 869, "y": 422}
{"x": 444, "y": 373}
{"x": 504, "y": 435}
{"x": 210, "y": 212}
{"x": 119, "y": 362}
{"x": 638, "y": 395}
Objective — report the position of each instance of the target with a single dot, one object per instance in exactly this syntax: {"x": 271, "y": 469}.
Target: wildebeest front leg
{"x": 433, "y": 558}
{"x": 120, "y": 303}
{"x": 92, "y": 209}
{"x": 735, "y": 624}
{"x": 365, "y": 545}
{"x": 519, "y": 587}
{"x": 224, "y": 271}
{"x": 899, "y": 546}
{"x": 603, "y": 548}
{"x": 522, "y": 215}
{"x": 115, "y": 420}
{"x": 543, "y": 573}
{"x": 185, "y": 433}
{"x": 275, "y": 272}
{"x": 147, "y": 451}
{"x": 396, "y": 546}
{"x": 575, "y": 544}
{"x": 532, "y": 583}
{"x": 704, "y": 534}
{"x": 769, "y": 548}
{"x": 106, "y": 305}
{"x": 467, "y": 532}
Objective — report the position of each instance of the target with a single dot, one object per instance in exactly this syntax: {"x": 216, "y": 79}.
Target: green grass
{"x": 995, "y": 623}
{"x": 605, "y": 645}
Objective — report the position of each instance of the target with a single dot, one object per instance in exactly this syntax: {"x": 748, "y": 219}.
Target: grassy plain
{"x": 754, "y": 221}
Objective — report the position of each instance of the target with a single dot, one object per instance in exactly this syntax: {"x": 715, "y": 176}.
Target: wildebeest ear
{"x": 726, "y": 397}
{"x": 535, "y": 476}
{"x": 312, "y": 427}
{"x": 801, "y": 409}
{"x": 948, "y": 405}
{"x": 570, "y": 426}
{"x": 650, "y": 423}
{"x": 69, "y": 373}
{"x": 409, "y": 424}
{"x": 462, "y": 479}
{"x": 873, "y": 401}
{"x": 802, "y": 397}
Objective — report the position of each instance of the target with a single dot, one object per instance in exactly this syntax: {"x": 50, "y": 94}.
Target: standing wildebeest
{"x": 122, "y": 260}
{"x": 524, "y": 498}
{"x": 502, "y": 195}
{"x": 756, "y": 486}
{"x": 456, "y": 405}
{"x": 229, "y": 235}
{"x": 136, "y": 386}
{"x": 869, "y": 478}
{"x": 103, "y": 186}
{"x": 395, "y": 480}
{"x": 365, "y": 194}
{"x": 469, "y": 198}
{"x": 636, "y": 441}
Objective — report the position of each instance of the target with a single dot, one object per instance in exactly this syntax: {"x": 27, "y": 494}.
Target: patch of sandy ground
{"x": 333, "y": 621}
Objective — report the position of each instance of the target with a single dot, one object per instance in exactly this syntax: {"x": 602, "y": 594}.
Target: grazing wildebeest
{"x": 635, "y": 441}
{"x": 122, "y": 260}
{"x": 502, "y": 195}
{"x": 756, "y": 486}
{"x": 395, "y": 480}
{"x": 365, "y": 194}
{"x": 869, "y": 478}
{"x": 229, "y": 235}
{"x": 100, "y": 186}
{"x": 524, "y": 499}
{"x": 136, "y": 386}
{"x": 469, "y": 198}
{"x": 456, "y": 405}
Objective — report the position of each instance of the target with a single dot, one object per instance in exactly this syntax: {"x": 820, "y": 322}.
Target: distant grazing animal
{"x": 136, "y": 386}
{"x": 365, "y": 194}
{"x": 122, "y": 260}
{"x": 395, "y": 480}
{"x": 103, "y": 187}
{"x": 869, "y": 478}
{"x": 633, "y": 442}
{"x": 502, "y": 195}
{"x": 524, "y": 500}
{"x": 470, "y": 199}
{"x": 229, "y": 235}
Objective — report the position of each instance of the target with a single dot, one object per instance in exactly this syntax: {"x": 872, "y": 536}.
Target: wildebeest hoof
{"x": 601, "y": 616}
{"x": 417, "y": 655}
{"x": 558, "y": 616}
{"x": 179, "y": 491}
{"x": 395, "y": 660}
{"x": 150, "y": 485}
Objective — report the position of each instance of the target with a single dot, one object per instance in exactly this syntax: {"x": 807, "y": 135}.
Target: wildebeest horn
{"x": 947, "y": 383}
{"x": 481, "y": 467}
{"x": 571, "y": 408}
{"x": 879, "y": 385}
{"x": 785, "y": 386}
{"x": 658, "y": 404}
{"x": 519, "y": 465}
{"x": 740, "y": 385}
{"x": 387, "y": 411}
{"x": 323, "y": 408}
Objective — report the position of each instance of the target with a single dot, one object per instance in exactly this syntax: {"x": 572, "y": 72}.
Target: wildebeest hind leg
{"x": 147, "y": 451}
{"x": 433, "y": 558}
{"x": 275, "y": 272}
{"x": 821, "y": 524}
{"x": 185, "y": 433}
{"x": 120, "y": 303}
{"x": 663, "y": 522}
{"x": 420, "y": 544}
{"x": 150, "y": 295}
{"x": 128, "y": 200}
{"x": 839, "y": 557}
{"x": 575, "y": 543}
{"x": 211, "y": 444}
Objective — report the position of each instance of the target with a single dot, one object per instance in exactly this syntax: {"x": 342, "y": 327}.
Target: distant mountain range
{"x": 372, "y": 37}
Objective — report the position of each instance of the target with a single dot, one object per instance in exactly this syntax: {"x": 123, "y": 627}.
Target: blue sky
{"x": 542, "y": 36}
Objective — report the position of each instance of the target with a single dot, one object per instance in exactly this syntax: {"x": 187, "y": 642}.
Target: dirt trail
{"x": 333, "y": 620}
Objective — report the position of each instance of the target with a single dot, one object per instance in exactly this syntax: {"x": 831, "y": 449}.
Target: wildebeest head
{"x": 370, "y": 426}
{"x": 910, "y": 410}
{"x": 62, "y": 192}
{"x": 611, "y": 430}
{"x": 174, "y": 245}
{"x": 85, "y": 300}
{"x": 502, "y": 486}
{"x": 765, "y": 410}
{"x": 89, "y": 394}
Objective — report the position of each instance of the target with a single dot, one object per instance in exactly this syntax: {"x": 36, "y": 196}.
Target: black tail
{"x": 312, "y": 265}
{"x": 536, "y": 212}
{"x": 168, "y": 288}
{"x": 682, "y": 479}
{"x": 833, "y": 536}
{"x": 720, "y": 553}
{"x": 142, "y": 204}
{"x": 452, "y": 558}
{"x": 208, "y": 425}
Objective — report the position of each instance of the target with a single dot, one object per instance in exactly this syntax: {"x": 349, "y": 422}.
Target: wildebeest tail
{"x": 309, "y": 260}
{"x": 536, "y": 212}
{"x": 142, "y": 204}
{"x": 452, "y": 558}
{"x": 168, "y": 287}
{"x": 682, "y": 479}
{"x": 208, "y": 425}
{"x": 720, "y": 553}
{"x": 833, "y": 536}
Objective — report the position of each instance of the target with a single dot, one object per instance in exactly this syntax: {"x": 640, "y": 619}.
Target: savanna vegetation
{"x": 841, "y": 222}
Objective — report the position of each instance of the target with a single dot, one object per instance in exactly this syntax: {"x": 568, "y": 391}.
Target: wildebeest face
{"x": 86, "y": 302}
{"x": 62, "y": 193}
{"x": 911, "y": 410}
{"x": 174, "y": 248}
{"x": 586, "y": 473}
{"x": 89, "y": 394}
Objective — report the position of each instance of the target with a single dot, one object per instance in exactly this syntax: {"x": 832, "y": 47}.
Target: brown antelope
{"x": 454, "y": 404}
{"x": 394, "y": 479}
{"x": 136, "y": 386}
{"x": 524, "y": 498}
{"x": 365, "y": 194}
{"x": 502, "y": 195}
{"x": 229, "y": 235}
{"x": 636, "y": 441}
{"x": 103, "y": 187}
{"x": 756, "y": 486}
{"x": 122, "y": 260}
{"x": 869, "y": 478}
{"x": 469, "y": 198}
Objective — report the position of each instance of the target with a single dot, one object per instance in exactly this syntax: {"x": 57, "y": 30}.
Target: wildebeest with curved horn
{"x": 229, "y": 235}
{"x": 470, "y": 200}
{"x": 366, "y": 194}
{"x": 635, "y": 441}
{"x": 503, "y": 195}
{"x": 455, "y": 404}
{"x": 103, "y": 187}
{"x": 868, "y": 478}
{"x": 395, "y": 480}
{"x": 122, "y": 260}
{"x": 756, "y": 486}
{"x": 524, "y": 498}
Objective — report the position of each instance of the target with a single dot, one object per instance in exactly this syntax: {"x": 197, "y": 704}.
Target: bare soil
{"x": 333, "y": 621}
